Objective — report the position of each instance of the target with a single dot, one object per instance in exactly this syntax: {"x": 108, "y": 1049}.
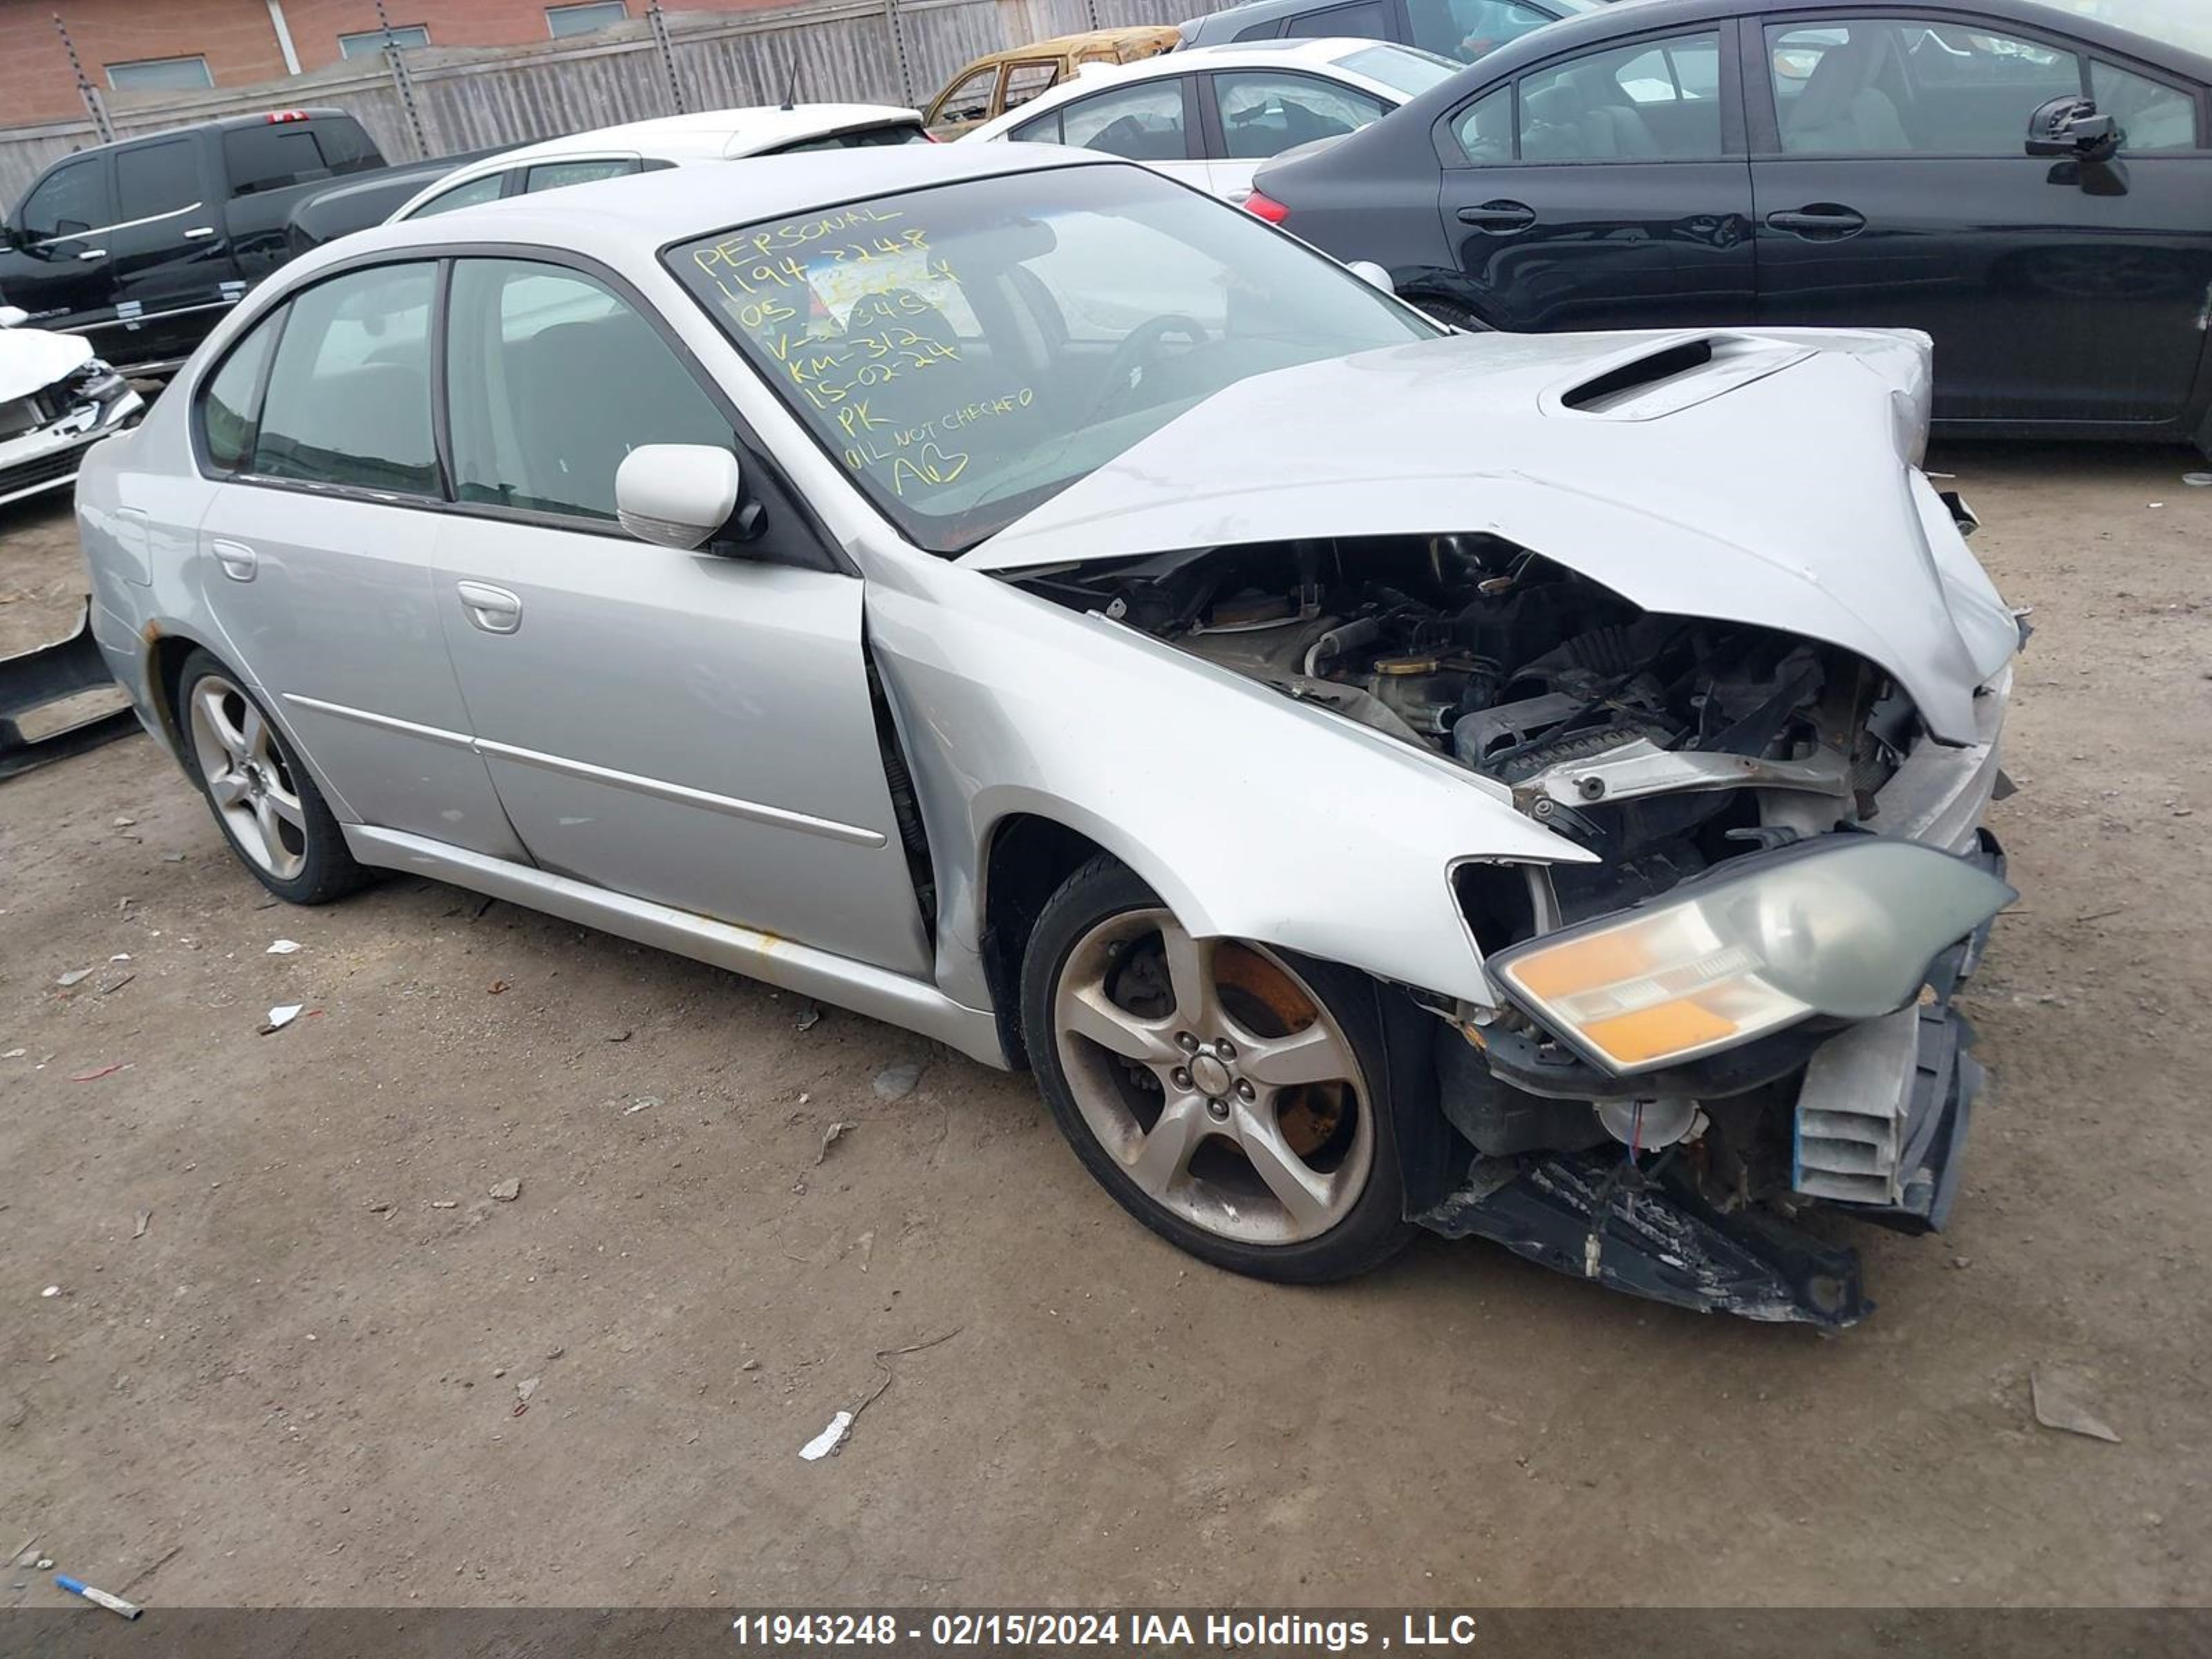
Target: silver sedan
{"x": 1377, "y": 778}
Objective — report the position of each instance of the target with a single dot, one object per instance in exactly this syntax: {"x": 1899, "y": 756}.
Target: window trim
{"x": 1762, "y": 112}
{"x": 808, "y": 544}
{"x": 1734, "y": 128}
{"x": 1217, "y": 129}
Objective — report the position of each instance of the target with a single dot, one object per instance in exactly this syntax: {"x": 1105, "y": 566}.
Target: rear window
{"x": 890, "y": 132}
{"x": 278, "y": 154}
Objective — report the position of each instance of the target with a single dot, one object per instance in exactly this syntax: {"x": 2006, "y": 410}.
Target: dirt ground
{"x": 300, "y": 1385}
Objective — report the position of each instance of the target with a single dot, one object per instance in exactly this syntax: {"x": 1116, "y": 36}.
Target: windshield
{"x": 1405, "y": 69}
{"x": 972, "y": 349}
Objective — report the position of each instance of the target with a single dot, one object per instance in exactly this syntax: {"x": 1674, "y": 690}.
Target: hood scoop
{"x": 1668, "y": 375}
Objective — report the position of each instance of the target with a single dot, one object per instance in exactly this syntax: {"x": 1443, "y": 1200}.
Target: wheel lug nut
{"x": 1186, "y": 1042}
{"x": 1245, "y": 1090}
{"x": 1222, "y": 1050}
{"x": 1218, "y": 1110}
{"x": 1180, "y": 1077}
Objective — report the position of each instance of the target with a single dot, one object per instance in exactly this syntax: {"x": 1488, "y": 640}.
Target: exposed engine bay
{"x": 1662, "y": 744}
{"x": 1665, "y": 745}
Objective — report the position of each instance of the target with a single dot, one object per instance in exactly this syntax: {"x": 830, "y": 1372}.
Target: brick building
{"x": 130, "y": 45}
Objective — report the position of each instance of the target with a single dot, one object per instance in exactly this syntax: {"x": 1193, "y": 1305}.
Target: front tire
{"x": 1229, "y": 1096}
{"x": 263, "y": 799}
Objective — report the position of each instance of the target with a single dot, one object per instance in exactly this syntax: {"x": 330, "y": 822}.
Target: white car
{"x": 1209, "y": 116}
{"x": 56, "y": 400}
{"x": 672, "y": 141}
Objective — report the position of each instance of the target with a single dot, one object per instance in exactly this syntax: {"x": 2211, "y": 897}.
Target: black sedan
{"x": 2032, "y": 187}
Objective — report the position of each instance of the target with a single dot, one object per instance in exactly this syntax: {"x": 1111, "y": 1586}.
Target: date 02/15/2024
{"x": 1054, "y": 1629}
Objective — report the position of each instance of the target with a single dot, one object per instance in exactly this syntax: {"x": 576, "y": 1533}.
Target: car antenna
{"x": 790, "y": 87}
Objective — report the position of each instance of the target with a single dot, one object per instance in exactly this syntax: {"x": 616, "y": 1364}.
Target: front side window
{"x": 348, "y": 400}
{"x": 71, "y": 200}
{"x": 552, "y": 378}
{"x": 1026, "y": 81}
{"x": 486, "y": 189}
{"x": 228, "y": 405}
{"x": 970, "y": 100}
{"x": 969, "y": 351}
{"x": 1364, "y": 21}
{"x": 558, "y": 175}
{"x": 1897, "y": 86}
{"x": 1470, "y": 29}
{"x": 156, "y": 178}
{"x": 1263, "y": 113}
{"x": 2153, "y": 115}
{"x": 1142, "y": 122}
{"x": 1653, "y": 101}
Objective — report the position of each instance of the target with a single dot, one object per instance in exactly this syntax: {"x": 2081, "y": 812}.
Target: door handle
{"x": 199, "y": 232}
{"x": 93, "y": 253}
{"x": 239, "y": 562}
{"x": 1822, "y": 222}
{"x": 1501, "y": 218}
{"x": 493, "y": 610}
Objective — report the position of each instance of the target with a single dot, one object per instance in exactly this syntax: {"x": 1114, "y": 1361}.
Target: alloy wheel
{"x": 248, "y": 778}
{"x": 1216, "y": 1077}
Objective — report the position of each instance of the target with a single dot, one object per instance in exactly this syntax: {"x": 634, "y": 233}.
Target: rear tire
{"x": 1229, "y": 1096}
{"x": 264, "y": 801}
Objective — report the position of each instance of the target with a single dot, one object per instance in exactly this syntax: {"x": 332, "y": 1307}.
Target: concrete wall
{"x": 888, "y": 51}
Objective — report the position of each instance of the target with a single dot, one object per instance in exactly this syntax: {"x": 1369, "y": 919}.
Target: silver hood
{"x": 1768, "y": 479}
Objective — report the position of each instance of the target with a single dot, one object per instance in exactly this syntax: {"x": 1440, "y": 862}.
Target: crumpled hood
{"x": 1774, "y": 485}
{"x": 32, "y": 359}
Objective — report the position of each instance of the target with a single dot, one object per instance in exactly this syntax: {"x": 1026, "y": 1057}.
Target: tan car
{"x": 991, "y": 85}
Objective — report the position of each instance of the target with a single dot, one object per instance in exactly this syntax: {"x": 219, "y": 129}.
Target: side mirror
{"x": 676, "y": 495}
{"x": 12, "y": 316}
{"x": 2070, "y": 130}
{"x": 1372, "y": 274}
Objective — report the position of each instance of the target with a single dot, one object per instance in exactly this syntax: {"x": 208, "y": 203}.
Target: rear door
{"x": 1254, "y": 115}
{"x": 1607, "y": 190}
{"x": 173, "y": 264}
{"x": 1893, "y": 189}
{"x": 60, "y": 269}
{"x": 315, "y": 552}
{"x": 684, "y": 727}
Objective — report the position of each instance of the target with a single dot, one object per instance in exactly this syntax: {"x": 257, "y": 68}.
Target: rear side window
{"x": 1485, "y": 128}
{"x": 228, "y": 404}
{"x": 1264, "y": 113}
{"x": 558, "y": 175}
{"x": 521, "y": 339}
{"x": 348, "y": 400}
{"x": 486, "y": 189}
{"x": 156, "y": 179}
{"x": 1364, "y": 21}
{"x": 278, "y": 154}
{"x": 1142, "y": 122}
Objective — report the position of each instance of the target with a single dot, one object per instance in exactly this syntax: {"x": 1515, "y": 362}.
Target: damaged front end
{"x": 56, "y": 400}
{"x": 1738, "y": 1007}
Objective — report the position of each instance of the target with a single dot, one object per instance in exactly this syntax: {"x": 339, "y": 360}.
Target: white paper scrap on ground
{"x": 830, "y": 1439}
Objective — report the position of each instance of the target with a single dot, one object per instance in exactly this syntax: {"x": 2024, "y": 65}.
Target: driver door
{"x": 689, "y": 728}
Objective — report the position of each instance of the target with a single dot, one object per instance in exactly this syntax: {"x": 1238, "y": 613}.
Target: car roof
{"x": 1317, "y": 53}
{"x": 1641, "y": 17}
{"x": 613, "y": 219}
{"x": 1063, "y": 46}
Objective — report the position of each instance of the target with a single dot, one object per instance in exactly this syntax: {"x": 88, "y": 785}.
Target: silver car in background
{"x": 1377, "y": 778}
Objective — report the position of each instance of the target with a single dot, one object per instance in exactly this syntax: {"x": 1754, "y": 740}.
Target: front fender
{"x": 1251, "y": 815}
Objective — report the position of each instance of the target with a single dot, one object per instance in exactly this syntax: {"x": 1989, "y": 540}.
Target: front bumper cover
{"x": 1646, "y": 1229}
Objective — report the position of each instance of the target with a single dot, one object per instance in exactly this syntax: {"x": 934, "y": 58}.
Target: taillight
{"x": 1267, "y": 207}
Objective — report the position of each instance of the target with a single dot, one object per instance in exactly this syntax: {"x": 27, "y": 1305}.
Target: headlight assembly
{"x": 1846, "y": 928}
